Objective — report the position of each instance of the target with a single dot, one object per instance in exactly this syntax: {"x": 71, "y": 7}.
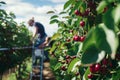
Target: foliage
{"x": 86, "y": 45}
{"x": 12, "y": 35}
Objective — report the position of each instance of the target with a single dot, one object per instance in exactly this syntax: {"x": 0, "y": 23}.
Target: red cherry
{"x": 77, "y": 12}
{"x": 67, "y": 57}
{"x": 97, "y": 67}
{"x": 71, "y": 31}
{"x": 86, "y": 13}
{"x": 68, "y": 40}
{"x": 90, "y": 76}
{"x": 73, "y": 57}
{"x": 91, "y": 4}
{"x": 92, "y": 65}
{"x": 110, "y": 64}
{"x": 105, "y": 9}
{"x": 68, "y": 61}
{"x": 92, "y": 68}
{"x": 103, "y": 70}
{"x": 82, "y": 38}
{"x": 63, "y": 68}
{"x": 76, "y": 38}
{"x": 105, "y": 61}
{"x": 82, "y": 23}
{"x": 77, "y": 74}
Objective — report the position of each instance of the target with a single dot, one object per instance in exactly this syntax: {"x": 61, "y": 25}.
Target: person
{"x": 39, "y": 38}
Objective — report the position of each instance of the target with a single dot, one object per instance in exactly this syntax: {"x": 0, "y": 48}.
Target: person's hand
{"x": 46, "y": 43}
{"x": 42, "y": 45}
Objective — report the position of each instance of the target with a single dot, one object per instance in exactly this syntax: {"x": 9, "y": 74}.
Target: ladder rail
{"x": 41, "y": 64}
{"x": 33, "y": 50}
{"x": 41, "y": 60}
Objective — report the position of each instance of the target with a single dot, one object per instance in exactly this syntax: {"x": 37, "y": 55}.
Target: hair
{"x": 31, "y": 20}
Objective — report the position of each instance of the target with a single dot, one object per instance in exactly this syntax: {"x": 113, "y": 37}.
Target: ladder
{"x": 37, "y": 54}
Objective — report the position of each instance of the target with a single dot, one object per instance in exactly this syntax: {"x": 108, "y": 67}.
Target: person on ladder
{"x": 40, "y": 37}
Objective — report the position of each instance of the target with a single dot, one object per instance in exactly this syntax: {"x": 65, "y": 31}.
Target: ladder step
{"x": 36, "y": 66}
{"x": 36, "y": 75}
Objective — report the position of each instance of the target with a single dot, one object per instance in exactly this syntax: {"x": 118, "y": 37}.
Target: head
{"x": 31, "y": 22}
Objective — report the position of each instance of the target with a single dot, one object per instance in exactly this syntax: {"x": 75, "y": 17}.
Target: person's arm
{"x": 35, "y": 33}
{"x": 45, "y": 43}
{"x": 46, "y": 40}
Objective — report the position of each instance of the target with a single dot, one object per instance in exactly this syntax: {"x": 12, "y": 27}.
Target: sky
{"x": 26, "y": 9}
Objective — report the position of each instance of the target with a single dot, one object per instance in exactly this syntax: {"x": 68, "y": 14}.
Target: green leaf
{"x": 74, "y": 49}
{"x": 55, "y": 36}
{"x": 68, "y": 3}
{"x": 92, "y": 55}
{"x": 49, "y": 12}
{"x": 111, "y": 38}
{"x": 85, "y": 76}
{"x": 54, "y": 16}
{"x": 110, "y": 1}
{"x": 116, "y": 76}
{"x": 101, "y": 6}
{"x": 3, "y": 12}
{"x": 108, "y": 19}
{"x": 101, "y": 39}
{"x": 90, "y": 39}
{"x": 53, "y": 48}
{"x": 80, "y": 48}
{"x": 62, "y": 13}
{"x": 54, "y": 21}
{"x": 73, "y": 65}
{"x": 67, "y": 77}
{"x": 57, "y": 66}
{"x": 67, "y": 17}
{"x": 12, "y": 15}
{"x": 116, "y": 14}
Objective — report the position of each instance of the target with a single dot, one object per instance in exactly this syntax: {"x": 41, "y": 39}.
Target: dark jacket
{"x": 41, "y": 29}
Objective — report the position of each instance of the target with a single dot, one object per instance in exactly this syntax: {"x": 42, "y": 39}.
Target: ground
{"x": 47, "y": 73}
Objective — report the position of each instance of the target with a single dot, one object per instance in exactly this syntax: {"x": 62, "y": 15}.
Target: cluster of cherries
{"x": 104, "y": 67}
{"x": 79, "y": 38}
{"x": 82, "y": 23}
{"x": 68, "y": 59}
{"x": 91, "y": 6}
